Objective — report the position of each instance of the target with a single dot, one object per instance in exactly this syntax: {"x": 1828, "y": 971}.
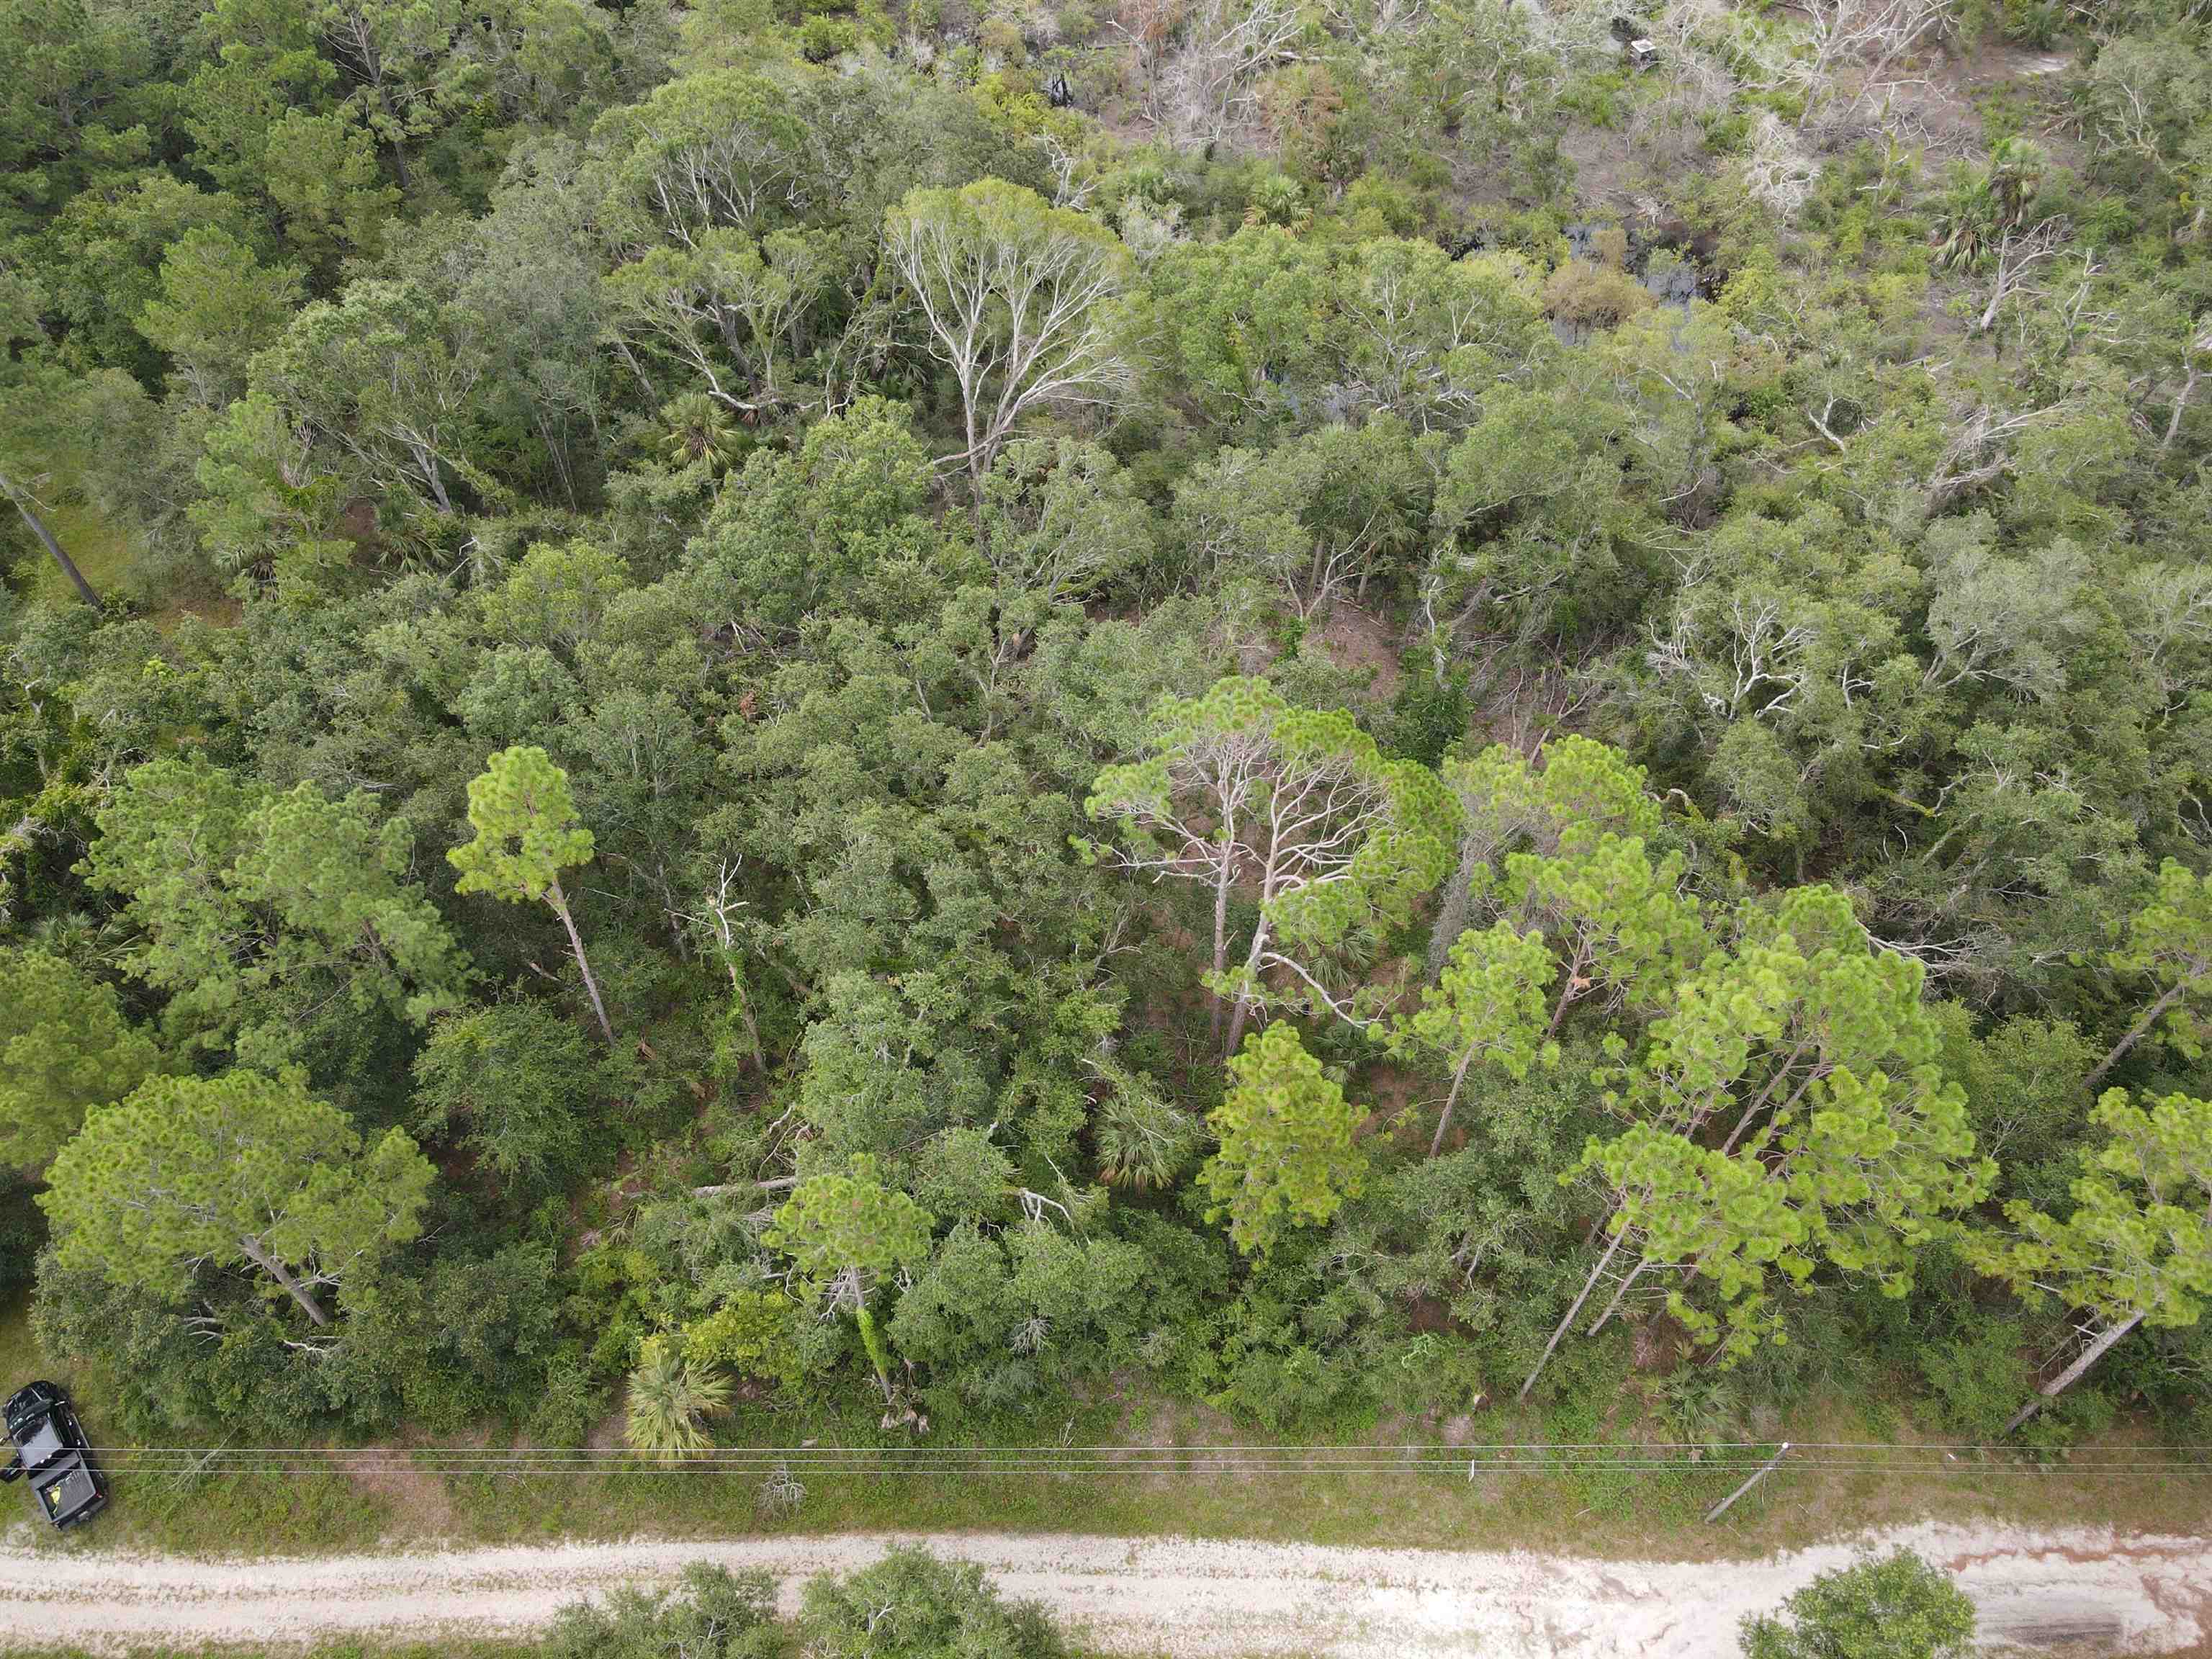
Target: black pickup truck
{"x": 49, "y": 1448}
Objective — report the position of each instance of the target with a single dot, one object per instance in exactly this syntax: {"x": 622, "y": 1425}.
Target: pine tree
{"x": 2170, "y": 940}
{"x": 844, "y": 1231}
{"x": 2137, "y": 1249}
{"x": 242, "y": 1167}
{"x": 1488, "y": 1006}
{"x": 1287, "y": 1156}
{"x": 527, "y": 832}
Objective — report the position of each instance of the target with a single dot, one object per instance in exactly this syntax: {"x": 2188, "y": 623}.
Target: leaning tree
{"x": 2137, "y": 1249}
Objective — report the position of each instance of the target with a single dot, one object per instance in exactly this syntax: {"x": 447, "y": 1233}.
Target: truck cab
{"x": 49, "y": 1448}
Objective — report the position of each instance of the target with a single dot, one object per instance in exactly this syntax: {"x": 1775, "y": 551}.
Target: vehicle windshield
{"x": 43, "y": 1447}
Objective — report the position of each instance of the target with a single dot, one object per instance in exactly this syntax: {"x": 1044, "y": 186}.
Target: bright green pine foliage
{"x": 2169, "y": 940}
{"x": 1623, "y": 920}
{"x": 1727, "y": 1219}
{"x": 527, "y": 830}
{"x": 240, "y": 1167}
{"x": 1287, "y": 1157}
{"x": 2137, "y": 1245}
{"x": 1489, "y": 1005}
{"x": 65, "y": 1049}
{"x": 1583, "y": 790}
{"x": 525, "y": 815}
{"x": 1813, "y": 1053}
{"x": 845, "y": 1230}
{"x": 848, "y": 1223}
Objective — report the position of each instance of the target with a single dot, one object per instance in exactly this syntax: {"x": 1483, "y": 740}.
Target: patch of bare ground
{"x": 1657, "y": 1345}
{"x": 1939, "y": 102}
{"x": 1156, "y": 1425}
{"x": 1611, "y": 177}
{"x": 607, "y": 1435}
{"x": 416, "y": 1495}
{"x": 1357, "y": 641}
{"x": 1398, "y": 1104}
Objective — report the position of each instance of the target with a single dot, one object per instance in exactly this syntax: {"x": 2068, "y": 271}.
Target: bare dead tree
{"x": 2196, "y": 366}
{"x": 1204, "y": 86}
{"x": 1870, "y": 37}
{"x": 2018, "y": 252}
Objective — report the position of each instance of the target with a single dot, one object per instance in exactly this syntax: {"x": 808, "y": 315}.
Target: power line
{"x": 917, "y": 1462}
{"x": 1238, "y": 1448}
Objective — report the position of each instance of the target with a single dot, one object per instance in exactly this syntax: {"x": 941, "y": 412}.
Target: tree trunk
{"x": 2074, "y": 1373}
{"x": 1619, "y": 1297}
{"x": 277, "y": 1270}
{"x": 1451, "y": 913}
{"x": 2180, "y": 404}
{"x": 1243, "y": 1008}
{"x": 1575, "y": 966}
{"x": 1588, "y": 1284}
{"x": 1450, "y": 1100}
{"x": 576, "y": 944}
{"x": 15, "y": 494}
{"x": 1220, "y": 937}
{"x": 976, "y": 505}
{"x": 2172, "y": 994}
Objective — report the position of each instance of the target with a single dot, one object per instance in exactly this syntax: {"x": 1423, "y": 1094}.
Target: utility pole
{"x": 1765, "y": 1469}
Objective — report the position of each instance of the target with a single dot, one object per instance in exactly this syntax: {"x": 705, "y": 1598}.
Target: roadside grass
{"x": 1621, "y": 1512}
{"x": 448, "y": 1648}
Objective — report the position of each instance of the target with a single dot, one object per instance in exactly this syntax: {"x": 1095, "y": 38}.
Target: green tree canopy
{"x": 1898, "y": 1607}
{"x": 269, "y": 916}
{"x": 712, "y": 1613}
{"x": 527, "y": 833}
{"x": 1287, "y": 1156}
{"x": 65, "y": 1049}
{"x": 1300, "y": 806}
{"x": 912, "y": 1606}
{"x": 240, "y": 1167}
{"x": 1488, "y": 1006}
{"x": 2137, "y": 1249}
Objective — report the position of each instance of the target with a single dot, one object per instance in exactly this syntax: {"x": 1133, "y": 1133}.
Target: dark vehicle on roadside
{"x": 50, "y": 1446}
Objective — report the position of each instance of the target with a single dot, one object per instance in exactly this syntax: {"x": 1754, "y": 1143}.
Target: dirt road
{"x": 1188, "y": 1598}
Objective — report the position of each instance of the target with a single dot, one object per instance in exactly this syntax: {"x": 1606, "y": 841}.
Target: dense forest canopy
{"x": 790, "y": 705}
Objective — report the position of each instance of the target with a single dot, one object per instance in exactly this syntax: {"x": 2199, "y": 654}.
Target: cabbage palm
{"x": 670, "y": 1398}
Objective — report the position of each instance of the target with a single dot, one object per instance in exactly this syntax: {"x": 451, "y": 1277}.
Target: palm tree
{"x": 699, "y": 429}
{"x": 1142, "y": 1142}
{"x": 670, "y": 1398}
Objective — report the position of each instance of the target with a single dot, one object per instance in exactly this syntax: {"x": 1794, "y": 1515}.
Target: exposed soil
{"x": 419, "y": 1494}
{"x": 1355, "y": 640}
{"x": 2089, "y": 1591}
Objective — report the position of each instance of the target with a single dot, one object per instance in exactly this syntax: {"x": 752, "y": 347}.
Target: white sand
{"x": 1191, "y": 1599}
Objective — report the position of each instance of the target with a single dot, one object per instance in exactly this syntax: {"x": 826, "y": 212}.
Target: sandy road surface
{"x": 1191, "y": 1599}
